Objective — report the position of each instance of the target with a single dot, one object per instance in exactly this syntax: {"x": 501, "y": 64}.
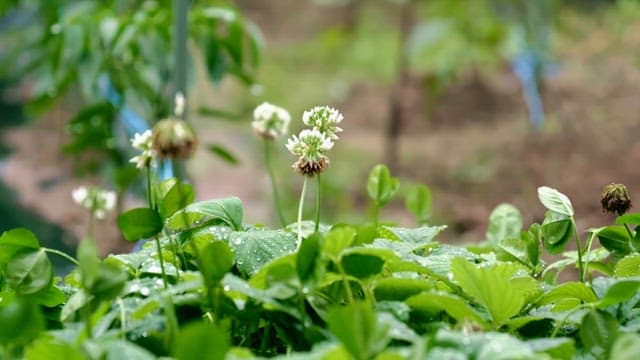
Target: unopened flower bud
{"x": 173, "y": 139}
{"x": 615, "y": 199}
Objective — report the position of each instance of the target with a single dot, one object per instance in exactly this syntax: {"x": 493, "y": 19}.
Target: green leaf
{"x": 356, "y": 327}
{"x": 381, "y": 186}
{"x": 121, "y": 349}
{"x": 362, "y": 265}
{"x": 557, "y": 230}
{"x": 621, "y": 291}
{"x": 253, "y": 249}
{"x": 418, "y": 202}
{"x": 226, "y": 211}
{"x": 628, "y": 266}
{"x": 626, "y": 347}
{"x": 215, "y": 260}
{"x": 49, "y": 297}
{"x": 29, "y": 273}
{"x": 307, "y": 256}
{"x": 109, "y": 283}
{"x": 172, "y": 195}
{"x": 598, "y": 332}
{"x": 399, "y": 289}
{"x": 21, "y": 322}
{"x": 337, "y": 240}
{"x": 491, "y": 287}
{"x": 202, "y": 341}
{"x": 140, "y": 223}
{"x": 615, "y": 239}
{"x": 89, "y": 264}
{"x": 46, "y": 348}
{"x": 568, "y": 295}
{"x": 557, "y": 348}
{"x": 555, "y": 201}
{"x": 632, "y": 218}
{"x": 505, "y": 222}
{"x": 223, "y": 154}
{"x": 418, "y": 236}
{"x": 453, "y": 305}
{"x": 14, "y": 241}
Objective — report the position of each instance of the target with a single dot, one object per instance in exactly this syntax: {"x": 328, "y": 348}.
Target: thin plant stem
{"x": 89, "y": 233}
{"x": 579, "y": 249}
{"x": 345, "y": 281}
{"x": 300, "y": 207}
{"x": 60, "y": 253}
{"x": 164, "y": 274}
{"x": 626, "y": 226}
{"x": 149, "y": 193}
{"x": 123, "y": 318}
{"x": 272, "y": 178}
{"x": 588, "y": 256}
{"x": 376, "y": 210}
{"x": 317, "y": 224}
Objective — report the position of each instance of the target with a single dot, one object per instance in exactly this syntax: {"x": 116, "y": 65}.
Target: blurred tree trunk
{"x": 397, "y": 113}
{"x": 351, "y": 13}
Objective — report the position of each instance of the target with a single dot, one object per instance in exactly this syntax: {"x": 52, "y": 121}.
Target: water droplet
{"x": 305, "y": 290}
{"x": 226, "y": 288}
{"x": 145, "y": 291}
{"x": 237, "y": 241}
{"x": 450, "y": 276}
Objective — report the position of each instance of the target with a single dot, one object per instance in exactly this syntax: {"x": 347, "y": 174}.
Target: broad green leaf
{"x": 21, "y": 322}
{"x": 557, "y": 348}
{"x": 453, "y": 305}
{"x": 46, "y": 348}
{"x": 362, "y": 265}
{"x": 172, "y": 195}
{"x": 356, "y": 327}
{"x": 226, "y": 211}
{"x": 399, "y": 289}
{"x": 505, "y": 222}
{"x": 140, "y": 223}
{"x": 307, "y": 256}
{"x": 29, "y": 273}
{"x": 214, "y": 261}
{"x": 14, "y": 241}
{"x": 490, "y": 287}
{"x": 337, "y": 240}
{"x": 568, "y": 295}
{"x": 621, "y": 291}
{"x": 381, "y": 187}
{"x": 626, "y": 347}
{"x": 223, "y": 154}
{"x": 418, "y": 202}
{"x": 632, "y": 218}
{"x": 50, "y": 297}
{"x": 557, "y": 230}
{"x": 121, "y": 349}
{"x": 616, "y": 240}
{"x": 555, "y": 201}
{"x": 628, "y": 266}
{"x": 418, "y": 236}
{"x": 109, "y": 282}
{"x": 202, "y": 341}
{"x": 598, "y": 333}
{"x": 253, "y": 249}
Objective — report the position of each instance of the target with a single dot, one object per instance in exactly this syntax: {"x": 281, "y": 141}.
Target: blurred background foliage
{"x": 477, "y": 98}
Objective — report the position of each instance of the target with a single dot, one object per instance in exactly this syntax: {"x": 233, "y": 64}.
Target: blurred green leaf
{"x": 505, "y": 222}
{"x": 598, "y": 333}
{"x": 381, "y": 186}
{"x": 29, "y": 273}
{"x": 226, "y": 211}
{"x": 14, "y": 241}
{"x": 202, "y": 341}
{"x": 223, "y": 154}
{"x": 418, "y": 202}
{"x": 140, "y": 223}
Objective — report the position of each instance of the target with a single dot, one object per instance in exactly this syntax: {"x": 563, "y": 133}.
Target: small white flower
{"x": 309, "y": 144}
{"x": 325, "y": 119}
{"x": 80, "y": 195}
{"x": 142, "y": 141}
{"x": 270, "y": 121}
{"x": 108, "y": 200}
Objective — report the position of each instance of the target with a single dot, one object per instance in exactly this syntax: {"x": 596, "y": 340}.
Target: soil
{"x": 475, "y": 148}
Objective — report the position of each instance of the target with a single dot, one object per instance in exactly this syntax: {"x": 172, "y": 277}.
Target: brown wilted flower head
{"x": 173, "y": 139}
{"x": 615, "y": 199}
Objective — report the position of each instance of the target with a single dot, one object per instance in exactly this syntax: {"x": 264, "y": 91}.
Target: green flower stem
{"x": 317, "y": 224}
{"x": 60, "y": 253}
{"x": 164, "y": 274}
{"x": 300, "y": 207}
{"x": 579, "y": 249}
{"x": 588, "y": 256}
{"x": 626, "y": 226}
{"x": 272, "y": 178}
{"x": 345, "y": 281}
{"x": 89, "y": 234}
{"x": 376, "y": 210}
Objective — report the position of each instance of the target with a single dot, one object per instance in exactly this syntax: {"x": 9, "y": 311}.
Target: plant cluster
{"x": 211, "y": 286}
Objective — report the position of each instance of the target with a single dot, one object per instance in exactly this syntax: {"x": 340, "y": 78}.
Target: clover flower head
{"x": 270, "y": 121}
{"x": 97, "y": 200}
{"x": 325, "y": 119}
{"x": 173, "y": 139}
{"x": 147, "y": 155}
{"x": 310, "y": 146}
{"x": 615, "y": 199}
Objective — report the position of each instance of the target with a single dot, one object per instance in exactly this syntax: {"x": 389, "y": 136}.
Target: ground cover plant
{"x": 208, "y": 285}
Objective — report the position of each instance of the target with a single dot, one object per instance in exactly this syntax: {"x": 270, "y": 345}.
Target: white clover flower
{"x": 270, "y": 121}
{"x": 325, "y": 119}
{"x": 142, "y": 142}
{"x": 97, "y": 200}
{"x": 310, "y": 144}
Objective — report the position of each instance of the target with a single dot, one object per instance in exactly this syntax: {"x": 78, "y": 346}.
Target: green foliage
{"x": 381, "y": 187}
{"x": 349, "y": 291}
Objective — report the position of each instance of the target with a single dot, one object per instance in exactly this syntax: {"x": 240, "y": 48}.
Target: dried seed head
{"x": 615, "y": 199}
{"x": 173, "y": 139}
{"x": 308, "y": 167}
